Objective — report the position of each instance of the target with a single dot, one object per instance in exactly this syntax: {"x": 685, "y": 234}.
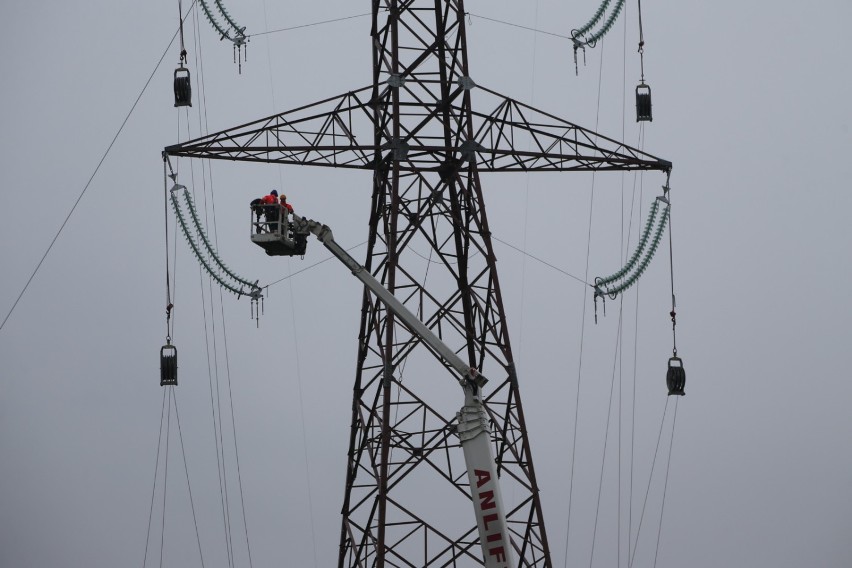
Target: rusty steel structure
{"x": 415, "y": 127}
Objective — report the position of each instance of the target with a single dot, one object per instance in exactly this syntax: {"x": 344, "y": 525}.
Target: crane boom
{"x": 473, "y": 427}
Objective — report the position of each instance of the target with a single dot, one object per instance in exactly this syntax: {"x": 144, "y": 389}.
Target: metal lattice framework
{"x": 407, "y": 501}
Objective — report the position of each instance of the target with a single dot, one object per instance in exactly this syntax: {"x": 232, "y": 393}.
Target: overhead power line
{"x": 309, "y": 25}
{"x": 92, "y": 177}
{"x": 569, "y": 38}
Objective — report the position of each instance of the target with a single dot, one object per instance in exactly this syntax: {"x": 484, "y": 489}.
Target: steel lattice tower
{"x": 407, "y": 501}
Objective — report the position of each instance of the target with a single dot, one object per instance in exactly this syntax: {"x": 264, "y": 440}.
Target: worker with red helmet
{"x": 271, "y": 210}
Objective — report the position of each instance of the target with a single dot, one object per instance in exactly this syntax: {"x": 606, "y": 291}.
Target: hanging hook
{"x": 169, "y": 308}
{"x": 599, "y": 294}
{"x": 578, "y": 45}
{"x": 168, "y": 162}
{"x": 576, "y": 65}
{"x": 673, "y": 315}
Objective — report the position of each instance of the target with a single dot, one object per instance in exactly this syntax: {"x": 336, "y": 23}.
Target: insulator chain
{"x": 214, "y": 270}
{"x": 579, "y": 35}
{"x": 199, "y": 228}
{"x": 238, "y": 37}
{"x": 625, "y": 278}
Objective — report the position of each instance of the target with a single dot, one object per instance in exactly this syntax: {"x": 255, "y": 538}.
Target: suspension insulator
{"x": 168, "y": 365}
{"x": 643, "y": 103}
{"x": 183, "y": 88}
{"x": 676, "y": 377}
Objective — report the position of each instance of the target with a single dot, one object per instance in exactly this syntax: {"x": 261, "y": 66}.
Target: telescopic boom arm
{"x": 473, "y": 427}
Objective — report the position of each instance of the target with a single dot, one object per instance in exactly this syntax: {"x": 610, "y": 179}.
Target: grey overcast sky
{"x": 751, "y": 104}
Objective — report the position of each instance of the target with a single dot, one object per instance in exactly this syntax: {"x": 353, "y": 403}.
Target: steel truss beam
{"x": 407, "y": 500}
{"x": 324, "y": 134}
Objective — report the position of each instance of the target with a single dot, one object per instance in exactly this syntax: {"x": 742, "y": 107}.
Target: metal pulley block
{"x": 183, "y": 87}
{"x": 168, "y": 365}
{"x": 643, "y": 103}
{"x": 676, "y": 377}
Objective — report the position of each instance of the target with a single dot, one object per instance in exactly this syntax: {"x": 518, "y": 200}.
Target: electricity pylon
{"x": 407, "y": 500}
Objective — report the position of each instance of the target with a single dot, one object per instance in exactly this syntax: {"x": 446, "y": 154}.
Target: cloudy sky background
{"x": 751, "y": 104}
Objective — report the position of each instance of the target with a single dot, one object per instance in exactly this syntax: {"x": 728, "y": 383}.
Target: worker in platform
{"x": 257, "y": 208}
{"x": 300, "y": 239}
{"x": 285, "y": 205}
{"x": 271, "y": 209}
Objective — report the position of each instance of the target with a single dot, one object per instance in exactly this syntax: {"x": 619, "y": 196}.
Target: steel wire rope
{"x": 168, "y": 280}
{"x": 186, "y": 470}
{"x": 230, "y": 391}
{"x": 666, "y": 484}
{"x": 583, "y": 324}
{"x": 526, "y": 205}
{"x": 308, "y": 475}
{"x": 622, "y": 252}
{"x": 175, "y": 232}
{"x": 228, "y": 372}
{"x": 215, "y": 402}
{"x": 671, "y": 272}
{"x": 640, "y": 176}
{"x": 674, "y": 420}
{"x": 156, "y": 471}
{"x": 205, "y": 173}
{"x": 648, "y": 490}
{"x": 234, "y": 426}
{"x": 203, "y": 130}
{"x": 92, "y": 177}
{"x": 216, "y": 419}
{"x": 302, "y": 416}
{"x": 641, "y": 42}
{"x": 225, "y": 336}
{"x": 174, "y": 277}
{"x": 519, "y": 355}
{"x": 165, "y": 477}
{"x": 633, "y": 424}
{"x": 616, "y": 356}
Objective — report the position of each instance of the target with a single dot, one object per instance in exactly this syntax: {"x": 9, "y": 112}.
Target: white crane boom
{"x": 473, "y": 430}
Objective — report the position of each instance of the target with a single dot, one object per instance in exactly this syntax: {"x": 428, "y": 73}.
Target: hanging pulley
{"x": 168, "y": 365}
{"x": 676, "y": 377}
{"x": 183, "y": 87}
{"x": 643, "y": 102}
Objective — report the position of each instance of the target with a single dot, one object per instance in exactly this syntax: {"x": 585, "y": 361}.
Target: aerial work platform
{"x": 274, "y": 233}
